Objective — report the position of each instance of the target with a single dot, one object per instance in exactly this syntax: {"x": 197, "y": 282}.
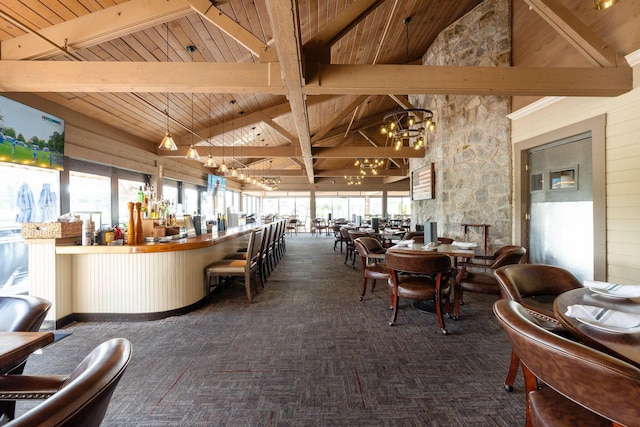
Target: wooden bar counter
{"x": 126, "y": 283}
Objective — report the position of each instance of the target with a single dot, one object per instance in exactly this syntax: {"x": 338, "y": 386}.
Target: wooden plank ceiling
{"x": 283, "y": 87}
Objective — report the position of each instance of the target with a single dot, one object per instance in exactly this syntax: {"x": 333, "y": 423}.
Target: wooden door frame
{"x": 596, "y": 126}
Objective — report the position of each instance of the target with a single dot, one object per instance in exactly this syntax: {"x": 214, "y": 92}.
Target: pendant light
{"x": 210, "y": 163}
{"x": 167, "y": 142}
{"x": 192, "y": 154}
{"x": 223, "y": 166}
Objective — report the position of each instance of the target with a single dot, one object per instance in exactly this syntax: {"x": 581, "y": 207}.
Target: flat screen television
{"x": 29, "y": 136}
{"x": 215, "y": 183}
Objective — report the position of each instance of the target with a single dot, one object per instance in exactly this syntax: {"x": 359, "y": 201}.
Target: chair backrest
{"x": 22, "y": 313}
{"x": 507, "y": 255}
{"x": 367, "y": 245}
{"x": 253, "y": 250}
{"x": 85, "y": 395}
{"x": 590, "y": 378}
{"x": 429, "y": 262}
{"x": 520, "y": 281}
{"x": 354, "y": 234}
{"x": 412, "y": 234}
{"x": 267, "y": 232}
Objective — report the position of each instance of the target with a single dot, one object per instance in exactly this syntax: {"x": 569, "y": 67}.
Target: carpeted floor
{"x": 307, "y": 352}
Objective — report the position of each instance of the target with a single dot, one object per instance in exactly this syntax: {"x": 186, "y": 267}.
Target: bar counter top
{"x": 68, "y": 246}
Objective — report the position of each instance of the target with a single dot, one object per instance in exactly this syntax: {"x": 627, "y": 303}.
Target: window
{"x": 91, "y": 193}
{"x": 127, "y": 192}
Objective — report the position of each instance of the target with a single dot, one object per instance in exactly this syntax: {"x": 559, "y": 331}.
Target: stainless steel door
{"x": 561, "y": 205}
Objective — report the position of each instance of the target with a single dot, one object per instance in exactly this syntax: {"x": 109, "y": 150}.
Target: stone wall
{"x": 470, "y": 148}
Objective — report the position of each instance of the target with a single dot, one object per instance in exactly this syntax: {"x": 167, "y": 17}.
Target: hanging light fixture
{"x": 223, "y": 169}
{"x": 192, "y": 153}
{"x": 210, "y": 163}
{"x": 408, "y": 125}
{"x": 368, "y": 166}
{"x": 167, "y": 142}
{"x": 604, "y": 4}
{"x": 353, "y": 180}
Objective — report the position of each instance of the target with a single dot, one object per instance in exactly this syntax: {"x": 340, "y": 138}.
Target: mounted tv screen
{"x": 30, "y": 137}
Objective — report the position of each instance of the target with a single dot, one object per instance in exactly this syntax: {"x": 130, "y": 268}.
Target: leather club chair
{"x": 79, "y": 399}
{"x": 19, "y": 313}
{"x": 419, "y": 277}
{"x": 568, "y": 383}
{"x": 479, "y": 278}
{"x": 534, "y": 286}
{"x": 373, "y": 267}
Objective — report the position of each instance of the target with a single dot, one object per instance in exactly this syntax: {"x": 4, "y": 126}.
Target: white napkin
{"x": 604, "y": 316}
{"x": 405, "y": 242}
{"x": 465, "y": 244}
{"x": 630, "y": 291}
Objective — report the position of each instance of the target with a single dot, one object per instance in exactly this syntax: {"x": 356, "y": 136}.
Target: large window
{"x": 399, "y": 206}
{"x": 90, "y": 193}
{"x": 127, "y": 192}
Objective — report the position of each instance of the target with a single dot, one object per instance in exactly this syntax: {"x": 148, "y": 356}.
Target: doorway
{"x": 560, "y": 226}
{"x": 538, "y": 186}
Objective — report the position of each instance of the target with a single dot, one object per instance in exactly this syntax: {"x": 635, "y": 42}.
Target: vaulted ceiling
{"x": 292, "y": 88}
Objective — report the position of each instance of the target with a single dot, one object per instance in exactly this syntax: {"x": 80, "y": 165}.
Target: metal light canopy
{"x": 410, "y": 125}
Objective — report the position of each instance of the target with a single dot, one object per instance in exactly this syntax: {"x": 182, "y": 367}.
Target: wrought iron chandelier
{"x": 408, "y": 125}
{"x": 353, "y": 180}
{"x": 369, "y": 166}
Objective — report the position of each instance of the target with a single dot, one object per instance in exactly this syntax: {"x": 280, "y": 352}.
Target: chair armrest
{"x": 375, "y": 256}
{"x": 13, "y": 387}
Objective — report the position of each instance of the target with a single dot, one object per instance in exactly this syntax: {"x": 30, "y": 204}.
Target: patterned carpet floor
{"x": 306, "y": 352}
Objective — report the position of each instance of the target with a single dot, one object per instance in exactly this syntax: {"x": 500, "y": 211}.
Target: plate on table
{"x": 429, "y": 248}
{"x": 607, "y": 328}
{"x": 609, "y": 294}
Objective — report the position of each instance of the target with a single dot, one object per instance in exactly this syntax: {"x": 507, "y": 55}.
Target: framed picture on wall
{"x": 423, "y": 183}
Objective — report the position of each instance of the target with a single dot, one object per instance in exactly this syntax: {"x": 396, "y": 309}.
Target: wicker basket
{"x": 51, "y": 230}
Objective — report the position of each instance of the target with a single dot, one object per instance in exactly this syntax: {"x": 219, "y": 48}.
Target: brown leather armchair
{"x": 534, "y": 286}
{"x": 479, "y": 278}
{"x": 424, "y": 277}
{"x": 581, "y": 385}
{"x": 80, "y": 399}
{"x": 19, "y": 313}
{"x": 372, "y": 256}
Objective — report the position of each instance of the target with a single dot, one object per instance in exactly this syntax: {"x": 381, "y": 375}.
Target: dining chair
{"x": 352, "y": 251}
{"x": 78, "y": 399}
{"x": 247, "y": 268}
{"x": 292, "y": 227}
{"x": 480, "y": 278}
{"x": 19, "y": 313}
{"x": 568, "y": 383}
{"x": 534, "y": 286}
{"x": 372, "y": 255}
{"x": 419, "y": 277}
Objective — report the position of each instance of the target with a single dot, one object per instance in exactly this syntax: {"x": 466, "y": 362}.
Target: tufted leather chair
{"x": 474, "y": 278}
{"x": 582, "y": 386}
{"x": 419, "y": 277}
{"x": 80, "y": 399}
{"x": 19, "y": 313}
{"x": 372, "y": 257}
{"x": 534, "y": 286}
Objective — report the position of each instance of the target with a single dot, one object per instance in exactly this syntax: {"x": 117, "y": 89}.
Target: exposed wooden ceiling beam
{"x": 402, "y": 101}
{"x": 317, "y": 152}
{"x": 286, "y": 33}
{"x": 588, "y": 43}
{"x": 337, "y": 118}
{"x": 94, "y": 28}
{"x": 337, "y": 79}
{"x": 234, "y": 30}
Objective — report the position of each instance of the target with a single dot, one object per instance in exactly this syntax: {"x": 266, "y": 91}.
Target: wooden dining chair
{"x": 568, "y": 383}
{"x": 19, "y": 313}
{"x": 372, "y": 255}
{"x": 480, "y": 278}
{"x": 534, "y": 286}
{"x": 247, "y": 268}
{"x": 78, "y": 399}
{"x": 419, "y": 277}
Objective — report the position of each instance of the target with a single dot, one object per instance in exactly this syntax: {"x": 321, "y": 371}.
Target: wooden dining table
{"x": 15, "y": 346}
{"x": 621, "y": 345}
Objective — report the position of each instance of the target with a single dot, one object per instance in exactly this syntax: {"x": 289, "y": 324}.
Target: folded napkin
{"x": 604, "y": 316}
{"x": 405, "y": 242}
{"x": 629, "y": 291}
{"x": 465, "y": 244}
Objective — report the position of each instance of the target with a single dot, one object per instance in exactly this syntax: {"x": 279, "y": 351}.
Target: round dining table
{"x": 625, "y": 346}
